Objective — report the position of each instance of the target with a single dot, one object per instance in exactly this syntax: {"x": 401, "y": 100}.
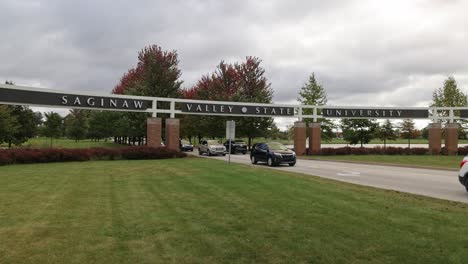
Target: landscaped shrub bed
{"x": 373, "y": 151}
{"x": 385, "y": 151}
{"x": 43, "y": 155}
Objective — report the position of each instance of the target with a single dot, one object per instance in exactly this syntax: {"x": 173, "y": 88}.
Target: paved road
{"x": 435, "y": 183}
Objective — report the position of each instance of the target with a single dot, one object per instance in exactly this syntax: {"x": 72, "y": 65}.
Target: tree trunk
{"x": 250, "y": 143}
{"x": 384, "y": 143}
{"x": 409, "y": 144}
{"x": 9, "y": 143}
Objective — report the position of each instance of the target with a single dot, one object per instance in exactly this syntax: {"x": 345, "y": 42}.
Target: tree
{"x": 102, "y": 124}
{"x": 156, "y": 74}
{"x": 53, "y": 126}
{"x": 425, "y": 133}
{"x": 312, "y": 93}
{"x": 450, "y": 96}
{"x": 76, "y": 124}
{"x": 254, "y": 88}
{"x": 386, "y": 132}
{"x": 358, "y": 130}
{"x": 408, "y": 130}
{"x": 28, "y": 124}
{"x": 9, "y": 125}
{"x": 238, "y": 82}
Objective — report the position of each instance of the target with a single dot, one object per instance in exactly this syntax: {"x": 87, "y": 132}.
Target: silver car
{"x": 211, "y": 147}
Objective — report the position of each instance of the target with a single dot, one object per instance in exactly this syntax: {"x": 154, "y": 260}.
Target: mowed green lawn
{"x": 197, "y": 210}
{"x": 436, "y": 161}
{"x": 68, "y": 143}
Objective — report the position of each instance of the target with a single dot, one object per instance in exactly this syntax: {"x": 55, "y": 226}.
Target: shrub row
{"x": 385, "y": 151}
{"x": 373, "y": 151}
{"x": 44, "y": 155}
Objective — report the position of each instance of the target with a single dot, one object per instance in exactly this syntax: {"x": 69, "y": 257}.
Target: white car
{"x": 463, "y": 174}
{"x": 211, "y": 147}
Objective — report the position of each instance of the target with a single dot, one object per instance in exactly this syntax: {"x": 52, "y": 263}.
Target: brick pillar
{"x": 315, "y": 137}
{"x": 172, "y": 133}
{"x": 435, "y": 138}
{"x": 300, "y": 138}
{"x": 451, "y": 138}
{"x": 153, "y": 132}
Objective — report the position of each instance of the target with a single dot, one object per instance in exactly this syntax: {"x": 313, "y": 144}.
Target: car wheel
{"x": 200, "y": 152}
{"x": 243, "y": 152}
{"x": 209, "y": 153}
{"x": 292, "y": 164}
{"x": 224, "y": 154}
{"x": 270, "y": 162}
{"x": 253, "y": 160}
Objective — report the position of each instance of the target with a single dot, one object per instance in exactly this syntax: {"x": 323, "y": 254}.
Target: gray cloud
{"x": 363, "y": 52}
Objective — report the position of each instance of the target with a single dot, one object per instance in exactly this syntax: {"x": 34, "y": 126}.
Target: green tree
{"x": 451, "y": 96}
{"x": 76, "y": 124}
{"x": 313, "y": 93}
{"x": 53, "y": 126}
{"x": 358, "y": 130}
{"x": 408, "y": 131}
{"x": 425, "y": 133}
{"x": 9, "y": 125}
{"x": 386, "y": 132}
{"x": 28, "y": 124}
{"x": 102, "y": 124}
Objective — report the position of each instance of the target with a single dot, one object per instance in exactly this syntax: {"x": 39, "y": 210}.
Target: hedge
{"x": 384, "y": 151}
{"x": 45, "y": 155}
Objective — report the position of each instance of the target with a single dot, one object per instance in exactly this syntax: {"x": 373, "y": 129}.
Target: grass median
{"x": 429, "y": 161}
{"x": 206, "y": 211}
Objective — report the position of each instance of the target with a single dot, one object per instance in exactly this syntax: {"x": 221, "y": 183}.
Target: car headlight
{"x": 294, "y": 153}
{"x": 278, "y": 154}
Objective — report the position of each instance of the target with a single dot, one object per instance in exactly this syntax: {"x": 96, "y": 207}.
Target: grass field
{"x": 67, "y": 143}
{"x": 206, "y": 211}
{"x": 449, "y": 162}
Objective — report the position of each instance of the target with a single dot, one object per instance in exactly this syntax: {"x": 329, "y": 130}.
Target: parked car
{"x": 237, "y": 146}
{"x": 211, "y": 147}
{"x": 273, "y": 154}
{"x": 185, "y": 145}
{"x": 463, "y": 174}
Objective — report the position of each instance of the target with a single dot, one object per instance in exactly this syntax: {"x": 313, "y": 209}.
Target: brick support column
{"x": 315, "y": 137}
{"x": 172, "y": 133}
{"x": 153, "y": 132}
{"x": 435, "y": 138}
{"x": 451, "y": 138}
{"x": 300, "y": 138}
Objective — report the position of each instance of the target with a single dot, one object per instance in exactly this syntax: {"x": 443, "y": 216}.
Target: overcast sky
{"x": 375, "y": 53}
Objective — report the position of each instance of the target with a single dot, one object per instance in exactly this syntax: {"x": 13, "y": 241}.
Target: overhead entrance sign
{"x": 375, "y": 113}
{"x": 235, "y": 109}
{"x": 71, "y": 100}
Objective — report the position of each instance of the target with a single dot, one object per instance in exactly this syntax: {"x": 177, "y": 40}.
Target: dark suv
{"x": 237, "y": 146}
{"x": 273, "y": 154}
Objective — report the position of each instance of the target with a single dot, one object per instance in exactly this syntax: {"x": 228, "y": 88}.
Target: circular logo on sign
{"x": 244, "y": 109}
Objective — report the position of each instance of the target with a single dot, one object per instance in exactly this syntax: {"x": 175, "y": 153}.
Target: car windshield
{"x": 185, "y": 142}
{"x": 276, "y": 146}
{"x": 213, "y": 142}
